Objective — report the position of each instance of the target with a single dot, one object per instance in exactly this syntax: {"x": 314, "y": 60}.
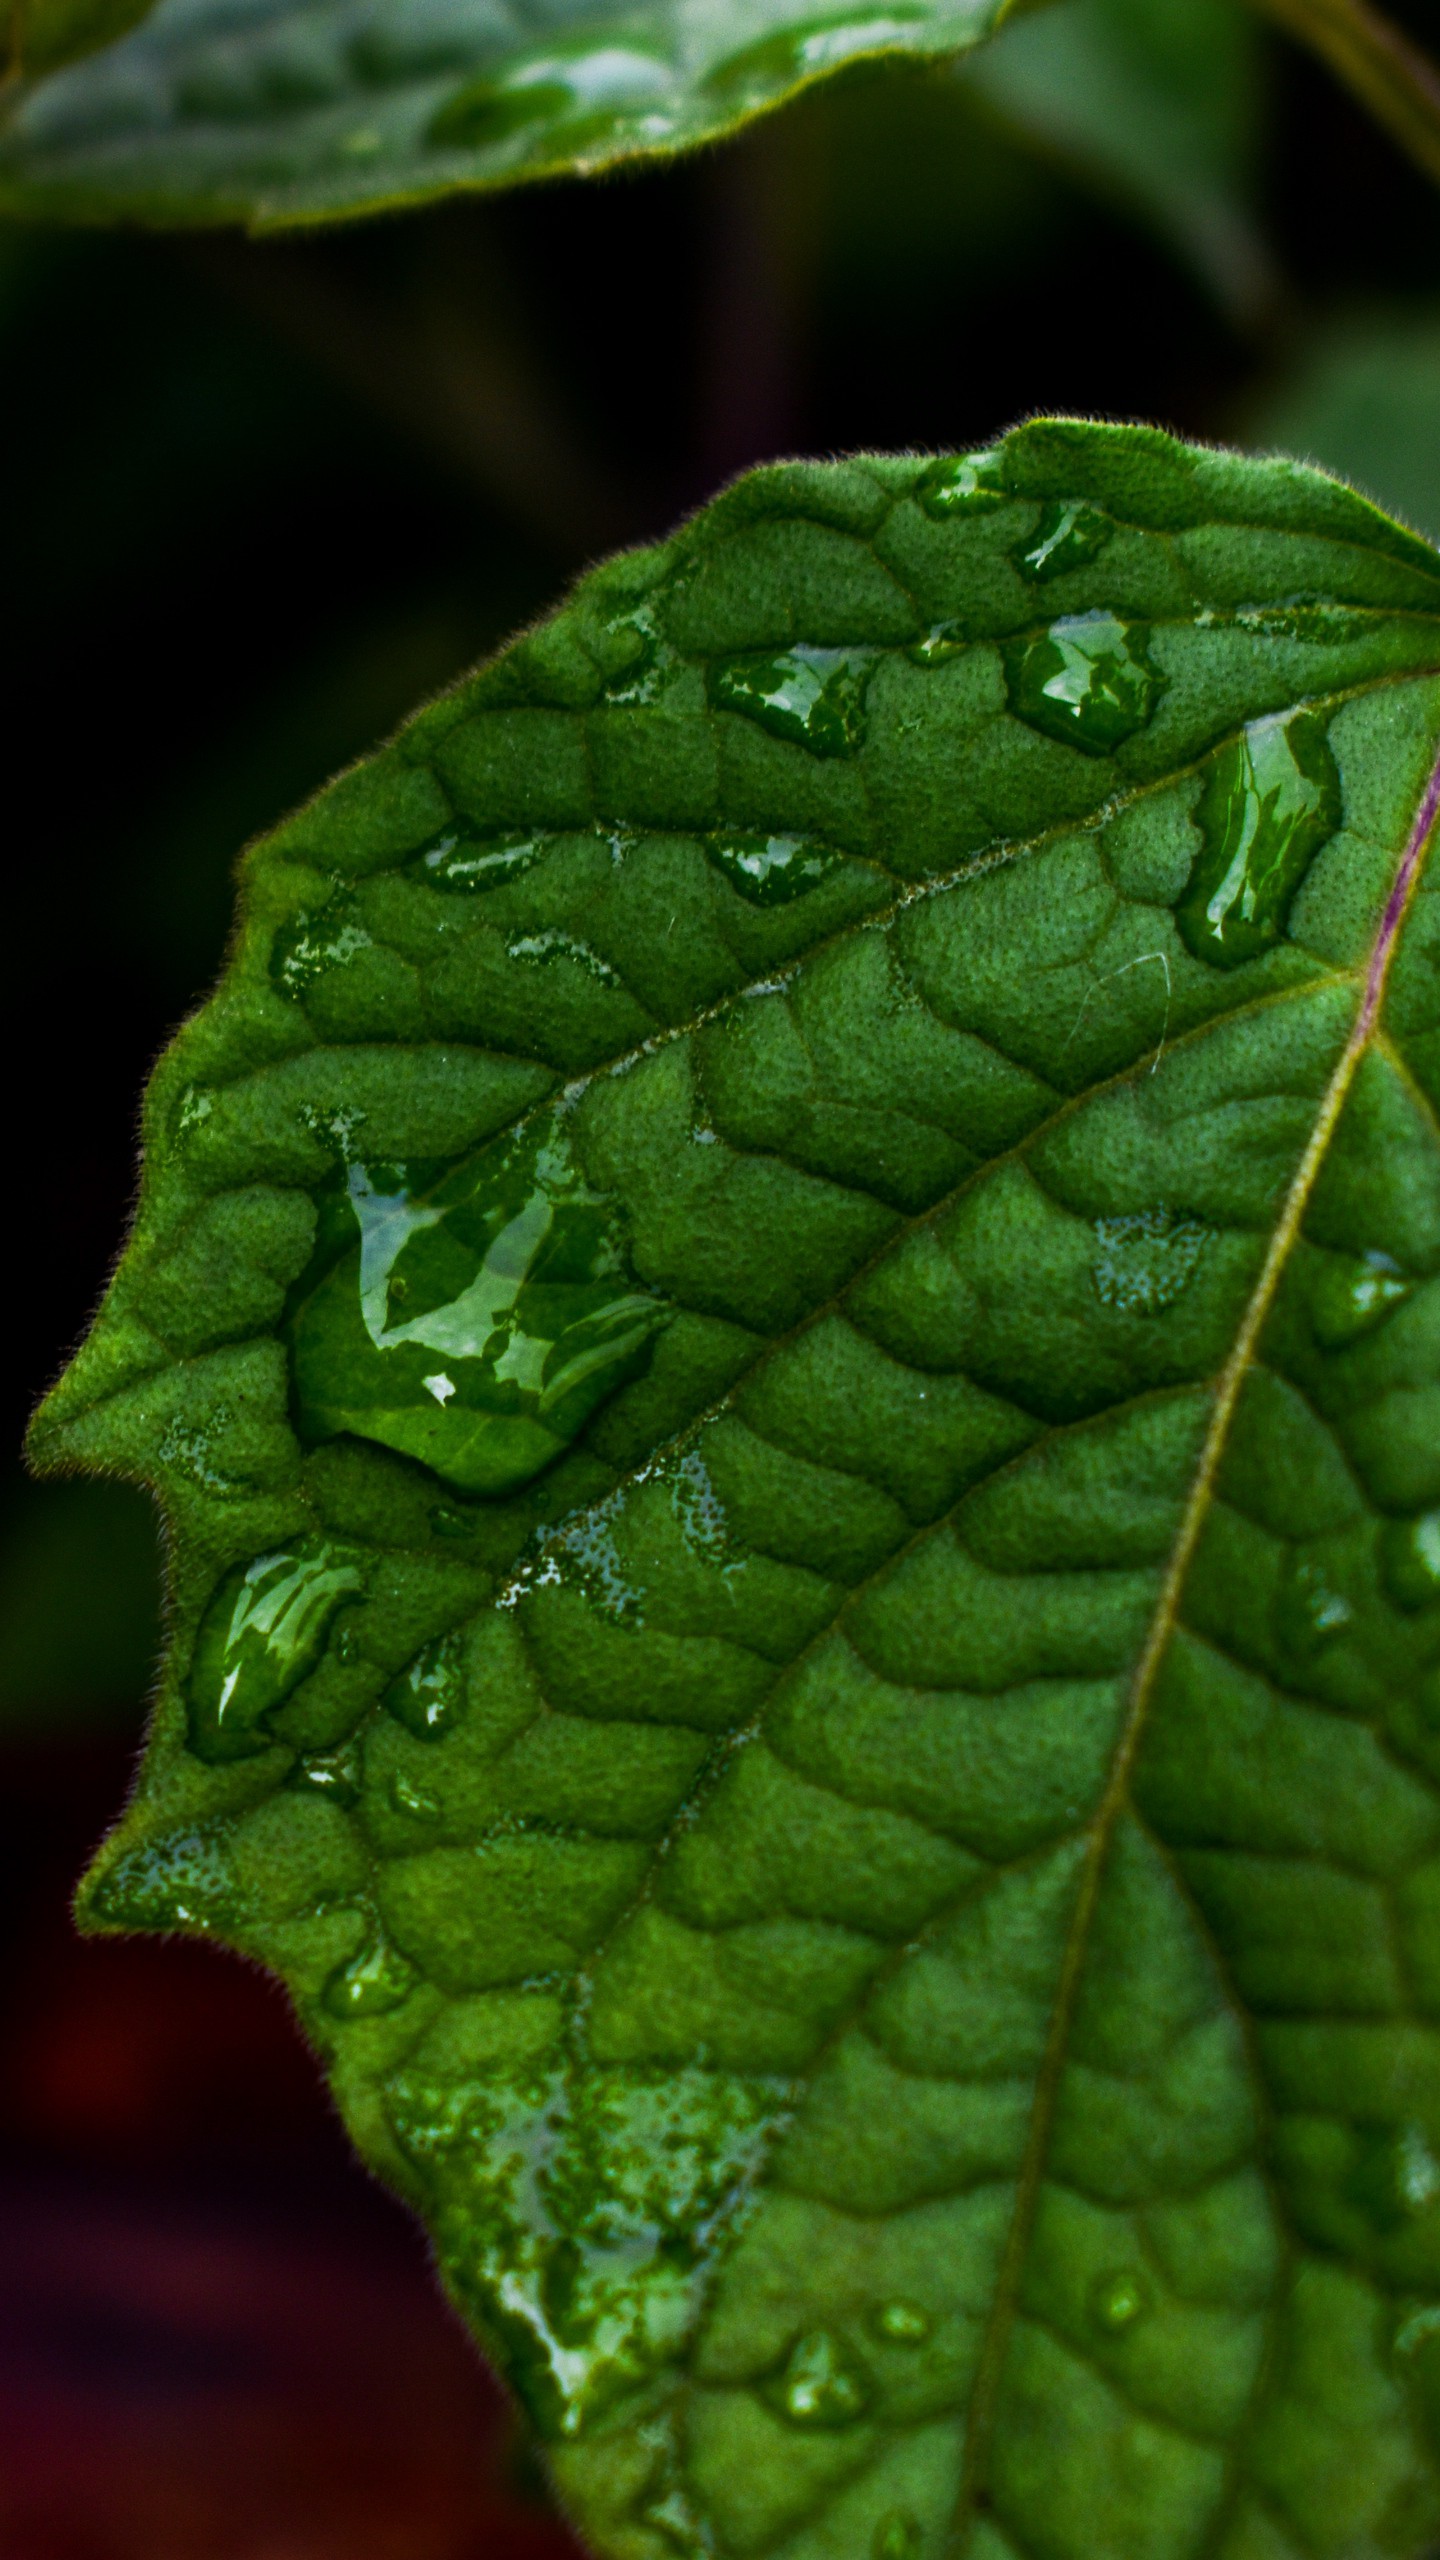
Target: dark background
{"x": 259, "y": 499}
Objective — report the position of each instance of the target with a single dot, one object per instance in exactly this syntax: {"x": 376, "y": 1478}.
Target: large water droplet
{"x": 473, "y": 1320}
{"x": 428, "y": 1696}
{"x": 813, "y": 697}
{"x": 903, "y": 2324}
{"x": 370, "y": 1984}
{"x": 800, "y": 52}
{"x": 1087, "y": 681}
{"x": 1145, "y": 1260}
{"x": 1351, "y": 1295}
{"x": 1271, "y": 799}
{"x": 1119, "y": 2298}
{"x": 770, "y": 870}
{"x": 822, "y": 2383}
{"x": 896, "y": 2537}
{"x": 312, "y": 943}
{"x": 965, "y": 484}
{"x": 1069, "y": 535}
{"x": 567, "y": 91}
{"x": 1310, "y": 1612}
{"x": 1410, "y": 1560}
{"x": 263, "y": 1630}
{"x": 460, "y": 860}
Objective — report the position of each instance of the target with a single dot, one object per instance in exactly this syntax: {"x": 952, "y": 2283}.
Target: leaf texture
{"x": 285, "y": 111}
{"x": 786, "y": 1316}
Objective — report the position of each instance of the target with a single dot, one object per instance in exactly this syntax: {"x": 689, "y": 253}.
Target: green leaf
{"x": 1362, "y": 397}
{"x": 787, "y": 1316}
{"x": 293, "y": 112}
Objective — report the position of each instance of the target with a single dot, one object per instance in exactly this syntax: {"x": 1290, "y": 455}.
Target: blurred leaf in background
{"x": 1363, "y": 398}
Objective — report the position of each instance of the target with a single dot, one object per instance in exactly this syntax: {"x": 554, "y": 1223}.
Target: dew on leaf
{"x": 196, "y": 1106}
{"x": 1271, "y": 799}
{"x": 174, "y": 1880}
{"x": 1416, "y": 2329}
{"x": 769, "y": 871}
{"x": 821, "y": 2384}
{"x": 406, "y": 1797}
{"x": 896, "y": 2537}
{"x": 1352, "y": 1294}
{"x": 428, "y": 1696}
{"x": 1309, "y": 1611}
{"x": 335, "y": 1774}
{"x": 449, "y": 1522}
{"x": 813, "y": 697}
{"x": 966, "y": 484}
{"x": 476, "y": 1320}
{"x": 310, "y": 945}
{"x": 704, "y": 1522}
{"x": 1069, "y": 535}
{"x": 819, "y": 44}
{"x": 555, "y": 88}
{"x": 553, "y": 944}
{"x": 580, "y": 1553}
{"x": 1087, "y": 681}
{"x": 1396, "y": 2178}
{"x": 943, "y": 640}
{"x": 1410, "y": 1560}
{"x": 1118, "y": 2298}
{"x": 903, "y": 2323}
{"x": 469, "y": 863}
{"x": 264, "y": 1629}
{"x": 371, "y": 1983}
{"x": 1146, "y": 1259}
{"x": 647, "y": 659}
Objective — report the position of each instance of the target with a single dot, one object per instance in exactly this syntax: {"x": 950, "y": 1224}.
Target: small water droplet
{"x": 347, "y": 1647}
{"x": 1069, "y": 535}
{"x": 196, "y": 1106}
{"x": 646, "y": 658}
{"x": 770, "y": 870}
{"x": 182, "y": 1879}
{"x": 813, "y": 697}
{"x": 1087, "y": 681}
{"x": 1145, "y": 1260}
{"x": 896, "y": 2537}
{"x": 1119, "y": 2298}
{"x": 511, "y": 1269}
{"x": 1396, "y": 2178}
{"x": 264, "y": 1629}
{"x": 576, "y": 93}
{"x": 469, "y": 863}
{"x": 428, "y": 1696}
{"x": 406, "y": 1797}
{"x": 335, "y": 1774}
{"x": 311, "y": 944}
{"x": 1410, "y": 1560}
{"x": 822, "y": 2384}
{"x": 1310, "y": 1612}
{"x": 1351, "y": 1295}
{"x": 580, "y": 1554}
{"x": 965, "y": 484}
{"x": 777, "y": 61}
{"x": 943, "y": 640}
{"x": 371, "y": 1983}
{"x": 553, "y": 944}
{"x": 448, "y": 1521}
{"x": 1271, "y": 799}
{"x": 905, "y": 2324}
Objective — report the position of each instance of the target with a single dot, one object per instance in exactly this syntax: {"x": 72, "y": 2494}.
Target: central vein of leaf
{"x": 980, "y": 2427}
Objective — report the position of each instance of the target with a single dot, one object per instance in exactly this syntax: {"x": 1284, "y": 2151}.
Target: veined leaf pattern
{"x": 786, "y": 1315}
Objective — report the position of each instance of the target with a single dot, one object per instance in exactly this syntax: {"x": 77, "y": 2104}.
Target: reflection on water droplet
{"x": 263, "y": 1630}
{"x": 371, "y": 1983}
{"x": 905, "y": 2324}
{"x": 1396, "y": 2177}
{"x": 1350, "y": 1296}
{"x": 428, "y": 1697}
{"x": 896, "y": 2537}
{"x": 335, "y": 1774}
{"x": 813, "y": 697}
{"x": 822, "y": 2384}
{"x": 196, "y": 1106}
{"x": 182, "y": 1880}
{"x": 704, "y": 1521}
{"x": 943, "y": 640}
{"x": 406, "y": 1797}
{"x": 1119, "y": 2298}
{"x": 1145, "y": 1260}
{"x": 800, "y": 52}
{"x": 770, "y": 870}
{"x": 1271, "y": 799}
{"x": 1310, "y": 1612}
{"x": 460, "y": 860}
{"x": 580, "y": 1554}
{"x": 579, "y": 2218}
{"x": 647, "y": 659}
{"x": 313, "y": 943}
{"x": 510, "y": 1269}
{"x": 1069, "y": 535}
{"x": 967, "y": 484}
{"x": 1410, "y": 1560}
{"x": 575, "y": 93}
{"x": 554, "y": 945}
{"x": 1087, "y": 681}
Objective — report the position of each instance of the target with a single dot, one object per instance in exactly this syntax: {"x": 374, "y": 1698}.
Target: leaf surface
{"x": 786, "y": 1315}
{"x": 288, "y": 111}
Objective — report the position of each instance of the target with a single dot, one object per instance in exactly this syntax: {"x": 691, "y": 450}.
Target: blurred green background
{"x": 261, "y": 498}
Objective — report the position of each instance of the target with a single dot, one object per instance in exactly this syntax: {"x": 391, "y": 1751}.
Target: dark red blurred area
{"x": 219, "y": 2340}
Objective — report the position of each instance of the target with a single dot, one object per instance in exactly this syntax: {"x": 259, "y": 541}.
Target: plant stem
{"x": 1398, "y": 83}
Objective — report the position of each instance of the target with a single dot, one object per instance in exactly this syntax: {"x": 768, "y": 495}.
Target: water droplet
{"x": 1087, "y": 681}
{"x": 263, "y": 1630}
{"x": 1145, "y": 1260}
{"x": 647, "y": 659}
{"x": 704, "y": 1521}
{"x": 428, "y": 1696}
{"x": 967, "y": 484}
{"x": 1119, "y": 2298}
{"x": 335, "y": 1774}
{"x": 313, "y": 943}
{"x": 1417, "y": 2329}
{"x": 553, "y": 945}
{"x": 822, "y": 2383}
{"x": 406, "y": 1797}
{"x": 181, "y": 1880}
{"x": 905, "y": 2324}
{"x": 511, "y": 1270}
{"x": 943, "y": 640}
{"x": 371, "y": 1983}
{"x": 1271, "y": 799}
{"x": 466, "y": 862}
{"x": 574, "y": 93}
{"x": 896, "y": 2537}
{"x": 580, "y": 1554}
{"x": 777, "y": 61}
{"x": 770, "y": 870}
{"x": 814, "y": 697}
{"x": 449, "y": 1522}
{"x": 1396, "y": 2178}
{"x": 1310, "y": 1612}
{"x": 1410, "y": 1560}
{"x": 196, "y": 1106}
{"x": 1069, "y": 535}
{"x": 1350, "y": 1296}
